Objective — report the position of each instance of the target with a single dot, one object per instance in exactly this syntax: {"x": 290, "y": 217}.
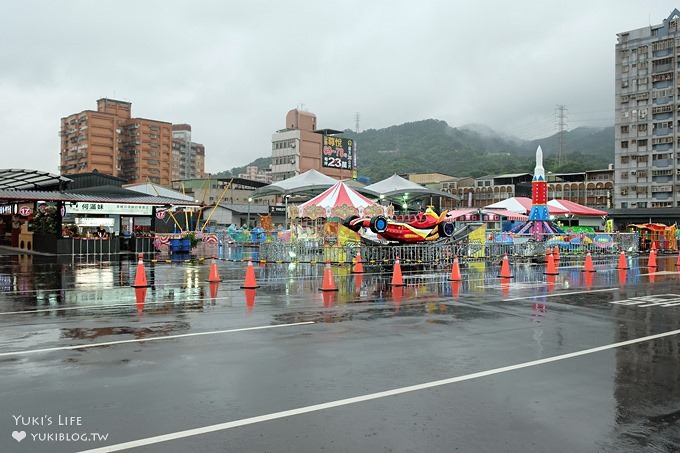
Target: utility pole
{"x": 561, "y": 123}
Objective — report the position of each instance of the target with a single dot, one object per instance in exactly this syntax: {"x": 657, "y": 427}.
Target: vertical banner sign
{"x": 354, "y": 162}
{"x": 338, "y": 153}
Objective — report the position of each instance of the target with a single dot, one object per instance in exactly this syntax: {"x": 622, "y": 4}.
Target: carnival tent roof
{"x": 461, "y": 213}
{"x": 523, "y": 206}
{"x": 557, "y": 207}
{"x": 339, "y": 200}
{"x": 304, "y": 182}
{"x": 576, "y": 209}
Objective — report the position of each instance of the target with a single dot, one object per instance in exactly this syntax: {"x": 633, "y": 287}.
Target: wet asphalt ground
{"x": 576, "y": 362}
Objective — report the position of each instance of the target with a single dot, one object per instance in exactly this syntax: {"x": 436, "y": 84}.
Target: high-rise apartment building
{"x": 647, "y": 163}
{"x": 188, "y": 158}
{"x": 112, "y": 142}
{"x": 301, "y": 147}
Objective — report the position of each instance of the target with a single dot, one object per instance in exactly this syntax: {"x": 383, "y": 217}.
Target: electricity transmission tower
{"x": 561, "y": 123}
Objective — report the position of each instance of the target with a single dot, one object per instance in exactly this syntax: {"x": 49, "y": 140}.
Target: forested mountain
{"x": 433, "y": 146}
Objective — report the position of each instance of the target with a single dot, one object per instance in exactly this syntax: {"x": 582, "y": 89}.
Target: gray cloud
{"x": 233, "y": 69}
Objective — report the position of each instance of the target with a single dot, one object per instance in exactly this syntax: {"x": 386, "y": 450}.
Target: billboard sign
{"x": 338, "y": 152}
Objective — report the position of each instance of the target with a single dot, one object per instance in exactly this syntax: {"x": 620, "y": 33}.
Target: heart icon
{"x": 18, "y": 435}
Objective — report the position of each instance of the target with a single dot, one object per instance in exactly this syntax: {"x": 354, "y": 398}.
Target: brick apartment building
{"x": 301, "y": 147}
{"x": 137, "y": 150}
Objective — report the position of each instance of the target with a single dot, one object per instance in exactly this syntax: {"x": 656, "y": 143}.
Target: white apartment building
{"x": 647, "y": 163}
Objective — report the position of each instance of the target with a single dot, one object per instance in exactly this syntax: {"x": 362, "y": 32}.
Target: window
{"x": 624, "y": 144}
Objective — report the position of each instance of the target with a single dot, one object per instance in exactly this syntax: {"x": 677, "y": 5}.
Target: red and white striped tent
{"x": 488, "y": 215}
{"x": 523, "y": 205}
{"x": 340, "y": 201}
{"x": 576, "y": 209}
{"x": 556, "y": 207}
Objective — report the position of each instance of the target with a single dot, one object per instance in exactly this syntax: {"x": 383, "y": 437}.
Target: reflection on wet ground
{"x": 483, "y": 322}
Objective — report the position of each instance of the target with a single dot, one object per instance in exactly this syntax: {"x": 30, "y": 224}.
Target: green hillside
{"x": 433, "y": 146}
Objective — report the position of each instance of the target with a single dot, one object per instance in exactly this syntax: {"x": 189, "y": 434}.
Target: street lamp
{"x": 285, "y": 198}
{"x": 250, "y": 200}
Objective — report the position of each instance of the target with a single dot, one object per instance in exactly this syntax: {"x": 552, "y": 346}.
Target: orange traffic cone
{"x": 455, "y": 271}
{"x": 250, "y": 282}
{"x": 651, "y": 262}
{"x": 622, "y": 277}
{"x": 328, "y": 283}
{"x": 550, "y": 268}
{"x": 140, "y": 296}
{"x": 397, "y": 279}
{"x": 652, "y": 259}
{"x": 556, "y": 253}
{"x": 358, "y": 265}
{"x": 140, "y": 275}
{"x": 588, "y": 265}
{"x": 214, "y": 275}
{"x": 623, "y": 263}
{"x": 505, "y": 268}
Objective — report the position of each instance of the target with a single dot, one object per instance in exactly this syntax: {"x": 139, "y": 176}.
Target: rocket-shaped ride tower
{"x": 539, "y": 222}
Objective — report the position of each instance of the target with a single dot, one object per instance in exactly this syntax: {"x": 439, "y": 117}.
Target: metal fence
{"x": 442, "y": 252}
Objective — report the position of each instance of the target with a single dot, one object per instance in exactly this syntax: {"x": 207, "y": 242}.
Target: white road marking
{"x": 368, "y": 397}
{"x": 142, "y": 340}
{"x": 663, "y": 300}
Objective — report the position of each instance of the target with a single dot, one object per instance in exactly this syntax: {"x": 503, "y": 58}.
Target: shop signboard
{"x": 94, "y": 222}
{"x": 7, "y": 209}
{"x": 108, "y": 208}
{"x": 338, "y": 152}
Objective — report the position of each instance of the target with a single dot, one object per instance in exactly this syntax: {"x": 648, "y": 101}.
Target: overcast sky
{"x": 233, "y": 69}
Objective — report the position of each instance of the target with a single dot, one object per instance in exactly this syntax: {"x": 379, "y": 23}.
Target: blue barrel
{"x": 186, "y": 245}
{"x": 175, "y": 245}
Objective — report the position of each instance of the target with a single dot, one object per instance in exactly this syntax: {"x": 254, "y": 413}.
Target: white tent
{"x": 304, "y": 182}
{"x": 395, "y": 186}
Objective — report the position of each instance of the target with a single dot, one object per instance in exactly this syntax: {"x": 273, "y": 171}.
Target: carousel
{"x": 321, "y": 217}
